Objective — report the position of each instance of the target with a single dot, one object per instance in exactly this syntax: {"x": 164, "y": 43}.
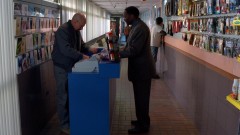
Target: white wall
{"x": 9, "y": 102}
{"x": 98, "y": 19}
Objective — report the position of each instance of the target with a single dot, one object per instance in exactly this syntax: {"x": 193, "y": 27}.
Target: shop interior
{"x": 197, "y": 92}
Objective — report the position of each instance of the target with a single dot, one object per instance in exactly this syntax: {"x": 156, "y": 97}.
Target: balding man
{"x": 68, "y": 48}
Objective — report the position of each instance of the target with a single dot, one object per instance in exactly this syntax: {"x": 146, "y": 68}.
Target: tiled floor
{"x": 166, "y": 115}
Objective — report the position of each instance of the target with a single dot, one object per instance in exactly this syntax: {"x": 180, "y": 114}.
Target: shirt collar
{"x": 70, "y": 24}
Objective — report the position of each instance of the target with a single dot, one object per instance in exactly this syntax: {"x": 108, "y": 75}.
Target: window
{"x": 98, "y": 20}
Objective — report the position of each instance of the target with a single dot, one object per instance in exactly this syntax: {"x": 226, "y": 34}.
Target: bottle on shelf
{"x": 238, "y": 90}
{"x": 114, "y": 54}
{"x": 235, "y": 89}
{"x": 112, "y": 47}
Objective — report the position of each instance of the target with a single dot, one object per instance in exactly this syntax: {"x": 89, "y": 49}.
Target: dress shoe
{"x": 134, "y": 122}
{"x": 138, "y": 130}
{"x": 156, "y": 77}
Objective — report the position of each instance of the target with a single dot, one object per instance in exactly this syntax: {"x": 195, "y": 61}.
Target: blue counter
{"x": 89, "y": 102}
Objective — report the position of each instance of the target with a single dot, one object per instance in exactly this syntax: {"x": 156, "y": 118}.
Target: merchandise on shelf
{"x": 35, "y": 26}
{"x": 220, "y": 46}
{"x": 179, "y": 7}
{"x": 168, "y": 9}
{"x": 236, "y": 20}
{"x": 185, "y": 6}
{"x": 175, "y": 9}
{"x": 228, "y": 49}
{"x": 212, "y": 25}
{"x": 235, "y": 89}
{"x": 238, "y": 50}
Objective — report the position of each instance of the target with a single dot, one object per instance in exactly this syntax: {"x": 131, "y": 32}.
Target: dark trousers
{"x": 154, "y": 51}
{"x": 126, "y": 37}
{"x": 61, "y": 77}
{"x": 142, "y": 96}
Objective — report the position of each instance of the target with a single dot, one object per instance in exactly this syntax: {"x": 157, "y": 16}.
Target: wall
{"x": 150, "y": 15}
{"x": 9, "y": 101}
{"x": 201, "y": 92}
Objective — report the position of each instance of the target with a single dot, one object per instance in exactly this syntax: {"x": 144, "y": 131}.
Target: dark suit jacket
{"x": 141, "y": 65}
{"x": 67, "y": 46}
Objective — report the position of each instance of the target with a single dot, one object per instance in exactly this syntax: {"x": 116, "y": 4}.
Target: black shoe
{"x": 138, "y": 130}
{"x": 134, "y": 122}
{"x": 156, "y": 77}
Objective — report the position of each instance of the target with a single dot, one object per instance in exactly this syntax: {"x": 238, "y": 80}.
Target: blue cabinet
{"x": 89, "y": 102}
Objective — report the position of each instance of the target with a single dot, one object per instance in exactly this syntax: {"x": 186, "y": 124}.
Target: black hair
{"x": 132, "y": 11}
{"x": 159, "y": 20}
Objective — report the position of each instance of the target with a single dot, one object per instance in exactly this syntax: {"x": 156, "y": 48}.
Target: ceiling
{"x": 117, "y": 6}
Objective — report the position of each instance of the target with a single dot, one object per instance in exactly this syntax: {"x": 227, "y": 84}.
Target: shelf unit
{"x": 37, "y": 16}
{"x": 43, "y": 20}
{"x": 214, "y": 34}
{"x": 179, "y": 18}
{"x": 37, "y": 32}
{"x": 38, "y": 47}
{"x": 229, "y": 65}
{"x": 213, "y": 16}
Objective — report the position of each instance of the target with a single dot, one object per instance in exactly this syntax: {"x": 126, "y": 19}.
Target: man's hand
{"x": 121, "y": 48}
{"x": 85, "y": 57}
{"x": 93, "y": 50}
{"x": 163, "y": 33}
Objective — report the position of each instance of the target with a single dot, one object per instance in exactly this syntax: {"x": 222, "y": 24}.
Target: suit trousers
{"x": 142, "y": 90}
{"x": 61, "y": 77}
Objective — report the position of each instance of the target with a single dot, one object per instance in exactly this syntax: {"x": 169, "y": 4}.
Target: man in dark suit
{"x": 141, "y": 67}
{"x": 68, "y": 48}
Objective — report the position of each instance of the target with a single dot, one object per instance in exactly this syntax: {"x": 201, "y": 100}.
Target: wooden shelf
{"x": 234, "y": 102}
{"x": 38, "y": 47}
{"x": 231, "y": 36}
{"x": 37, "y": 16}
{"x": 37, "y": 32}
{"x": 179, "y": 18}
{"x": 36, "y": 65}
{"x": 213, "y": 16}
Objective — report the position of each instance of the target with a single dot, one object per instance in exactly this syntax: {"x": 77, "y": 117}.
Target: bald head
{"x": 79, "y": 17}
{"x": 78, "y": 21}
